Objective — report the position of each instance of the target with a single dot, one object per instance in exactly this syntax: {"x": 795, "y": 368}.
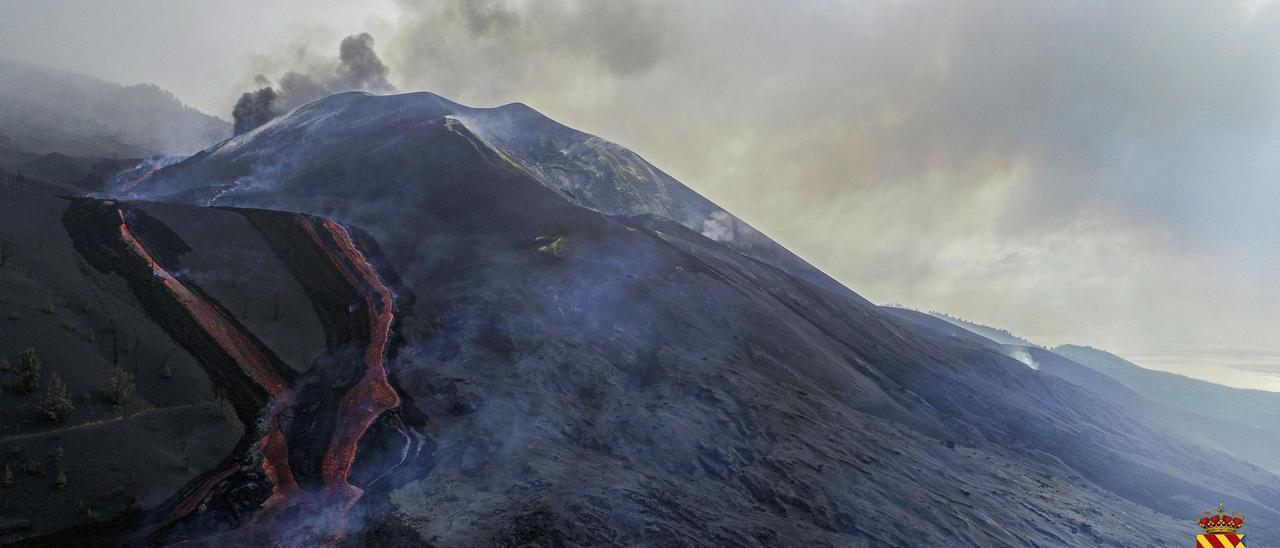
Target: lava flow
{"x": 292, "y": 515}
{"x": 228, "y": 337}
{"x": 372, "y": 394}
{"x": 272, "y": 446}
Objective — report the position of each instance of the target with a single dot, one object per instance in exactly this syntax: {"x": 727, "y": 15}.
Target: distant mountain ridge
{"x": 1002, "y": 336}
{"x": 1256, "y": 408}
{"x": 52, "y": 111}
{"x": 1251, "y": 430}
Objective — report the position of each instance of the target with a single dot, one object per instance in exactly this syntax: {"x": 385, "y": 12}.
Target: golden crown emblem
{"x": 1221, "y": 521}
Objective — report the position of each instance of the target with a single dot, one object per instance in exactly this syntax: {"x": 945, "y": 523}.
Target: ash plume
{"x": 358, "y": 68}
{"x": 253, "y": 109}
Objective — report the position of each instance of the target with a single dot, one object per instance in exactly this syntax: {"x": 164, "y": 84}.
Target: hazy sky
{"x": 1095, "y": 172}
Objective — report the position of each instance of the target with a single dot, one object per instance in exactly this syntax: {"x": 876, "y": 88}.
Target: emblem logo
{"x": 1220, "y": 529}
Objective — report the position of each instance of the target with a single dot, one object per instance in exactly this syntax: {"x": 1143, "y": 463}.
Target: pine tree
{"x": 29, "y": 369}
{"x": 56, "y": 403}
{"x": 118, "y": 387}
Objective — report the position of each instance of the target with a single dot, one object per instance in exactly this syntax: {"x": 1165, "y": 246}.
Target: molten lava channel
{"x": 273, "y": 446}
{"x": 372, "y": 394}
{"x": 360, "y": 405}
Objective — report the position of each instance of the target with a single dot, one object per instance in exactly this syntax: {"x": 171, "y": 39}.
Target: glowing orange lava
{"x": 189, "y": 504}
{"x": 360, "y": 405}
{"x": 226, "y": 334}
{"x": 128, "y": 185}
{"x": 372, "y": 394}
{"x": 272, "y": 446}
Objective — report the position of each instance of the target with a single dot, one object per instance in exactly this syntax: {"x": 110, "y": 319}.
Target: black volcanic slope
{"x": 578, "y": 358}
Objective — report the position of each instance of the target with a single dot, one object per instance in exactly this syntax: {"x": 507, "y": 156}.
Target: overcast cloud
{"x": 1094, "y": 172}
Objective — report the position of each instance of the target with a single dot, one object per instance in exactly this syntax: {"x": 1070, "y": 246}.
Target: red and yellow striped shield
{"x": 1220, "y": 540}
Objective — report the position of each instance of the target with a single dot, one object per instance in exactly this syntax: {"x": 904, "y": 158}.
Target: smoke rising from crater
{"x": 253, "y": 109}
{"x": 358, "y": 68}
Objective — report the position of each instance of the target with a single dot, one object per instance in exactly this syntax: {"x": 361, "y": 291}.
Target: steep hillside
{"x": 80, "y": 323}
{"x": 469, "y": 350}
{"x": 303, "y": 161}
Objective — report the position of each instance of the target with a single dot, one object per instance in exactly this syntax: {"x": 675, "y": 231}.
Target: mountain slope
{"x": 297, "y": 161}
{"x": 587, "y": 368}
{"x": 49, "y": 111}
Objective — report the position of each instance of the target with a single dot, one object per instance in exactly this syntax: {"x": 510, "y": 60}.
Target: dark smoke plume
{"x": 253, "y": 109}
{"x": 358, "y": 69}
{"x": 359, "y": 66}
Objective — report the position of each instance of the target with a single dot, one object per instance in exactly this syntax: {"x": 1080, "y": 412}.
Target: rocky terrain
{"x": 396, "y": 320}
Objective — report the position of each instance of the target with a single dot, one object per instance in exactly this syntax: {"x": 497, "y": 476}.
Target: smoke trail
{"x": 719, "y": 227}
{"x": 1025, "y": 357}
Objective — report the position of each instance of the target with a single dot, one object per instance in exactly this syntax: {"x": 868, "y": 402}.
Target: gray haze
{"x": 1100, "y": 173}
